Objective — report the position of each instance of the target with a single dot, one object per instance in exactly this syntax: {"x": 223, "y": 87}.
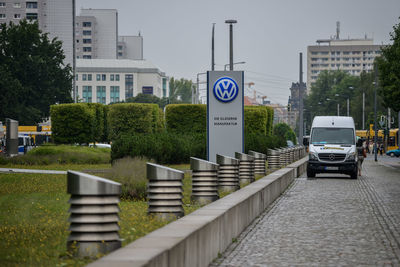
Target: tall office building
{"x": 350, "y": 55}
{"x": 55, "y": 17}
{"x": 130, "y": 47}
{"x": 97, "y": 34}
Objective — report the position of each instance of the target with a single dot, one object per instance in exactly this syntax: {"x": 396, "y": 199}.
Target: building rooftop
{"x": 140, "y": 65}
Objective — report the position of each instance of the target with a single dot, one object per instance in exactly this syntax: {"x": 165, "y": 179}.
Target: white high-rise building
{"x": 130, "y": 47}
{"x": 350, "y": 55}
{"x": 97, "y": 34}
{"x": 55, "y": 17}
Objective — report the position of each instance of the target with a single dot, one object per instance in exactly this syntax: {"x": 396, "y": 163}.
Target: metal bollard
{"x": 204, "y": 180}
{"x": 259, "y": 162}
{"x": 273, "y": 159}
{"x": 287, "y": 155}
{"x": 282, "y": 157}
{"x": 94, "y": 214}
{"x": 165, "y": 191}
{"x": 228, "y": 174}
{"x": 246, "y": 168}
{"x": 291, "y": 152}
{"x": 12, "y": 137}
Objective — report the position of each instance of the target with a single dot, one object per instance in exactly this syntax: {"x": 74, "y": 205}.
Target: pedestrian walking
{"x": 381, "y": 149}
{"x": 361, "y": 154}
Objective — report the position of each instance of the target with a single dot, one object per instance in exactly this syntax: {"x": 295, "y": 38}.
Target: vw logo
{"x": 225, "y": 89}
{"x": 332, "y": 157}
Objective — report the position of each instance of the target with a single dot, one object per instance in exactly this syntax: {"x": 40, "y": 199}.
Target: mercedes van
{"x": 332, "y": 146}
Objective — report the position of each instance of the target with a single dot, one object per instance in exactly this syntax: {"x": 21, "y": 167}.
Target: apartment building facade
{"x": 53, "y": 16}
{"x": 352, "y": 56}
{"x": 114, "y": 80}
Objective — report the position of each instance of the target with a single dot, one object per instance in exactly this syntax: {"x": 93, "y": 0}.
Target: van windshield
{"x": 340, "y": 136}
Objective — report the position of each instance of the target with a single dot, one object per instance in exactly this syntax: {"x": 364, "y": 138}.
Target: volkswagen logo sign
{"x": 225, "y": 89}
{"x": 332, "y": 157}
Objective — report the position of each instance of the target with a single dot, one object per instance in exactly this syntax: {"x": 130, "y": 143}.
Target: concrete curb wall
{"x": 197, "y": 238}
{"x": 299, "y": 166}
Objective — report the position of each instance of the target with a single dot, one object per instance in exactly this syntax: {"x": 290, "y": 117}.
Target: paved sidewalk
{"x": 13, "y": 170}
{"x": 327, "y": 221}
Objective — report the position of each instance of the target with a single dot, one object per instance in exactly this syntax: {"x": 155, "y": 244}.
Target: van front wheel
{"x": 354, "y": 174}
{"x": 310, "y": 174}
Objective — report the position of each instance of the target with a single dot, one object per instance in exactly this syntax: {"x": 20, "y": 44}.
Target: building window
{"x": 120, "y": 54}
{"x": 17, "y": 16}
{"x": 314, "y": 53}
{"x": 32, "y": 5}
{"x": 76, "y": 77}
{"x": 98, "y": 77}
{"x": 111, "y": 77}
{"x": 114, "y": 94}
{"x": 89, "y": 77}
{"x": 147, "y": 90}
{"x": 117, "y": 77}
{"x": 2, "y": 16}
{"x": 87, "y": 56}
{"x": 2, "y": 4}
{"x": 346, "y": 53}
{"x": 101, "y": 94}
{"x": 120, "y": 47}
{"x": 87, "y": 94}
{"x": 87, "y": 49}
{"x": 128, "y": 86}
{"x": 87, "y": 41}
{"x": 87, "y": 32}
{"x": 31, "y": 16}
{"x": 17, "y": 5}
{"x": 324, "y": 53}
{"x": 103, "y": 77}
{"x": 84, "y": 77}
{"x": 314, "y": 59}
{"x": 86, "y": 24}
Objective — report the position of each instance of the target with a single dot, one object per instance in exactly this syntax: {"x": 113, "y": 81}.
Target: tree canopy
{"x": 32, "y": 73}
{"x": 389, "y": 71}
{"x": 180, "y": 91}
{"x": 146, "y": 98}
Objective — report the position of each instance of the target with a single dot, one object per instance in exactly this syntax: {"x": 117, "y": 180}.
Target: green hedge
{"x": 98, "y": 110}
{"x": 261, "y": 143}
{"x": 131, "y": 118}
{"x": 284, "y": 130}
{"x": 73, "y": 123}
{"x": 186, "y": 118}
{"x": 270, "y": 121}
{"x": 163, "y": 147}
{"x": 255, "y": 120}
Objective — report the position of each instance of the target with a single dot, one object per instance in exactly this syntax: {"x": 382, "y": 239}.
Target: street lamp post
{"x": 236, "y": 63}
{"x": 230, "y": 22}
{"x": 348, "y": 102}
{"x": 376, "y": 128}
{"x": 198, "y": 89}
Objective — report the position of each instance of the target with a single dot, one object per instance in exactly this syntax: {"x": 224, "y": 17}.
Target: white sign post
{"x": 225, "y": 120}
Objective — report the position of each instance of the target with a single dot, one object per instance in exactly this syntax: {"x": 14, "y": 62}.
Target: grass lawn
{"x": 34, "y": 214}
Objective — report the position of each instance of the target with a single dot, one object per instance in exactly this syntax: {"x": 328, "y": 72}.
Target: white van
{"x": 332, "y": 146}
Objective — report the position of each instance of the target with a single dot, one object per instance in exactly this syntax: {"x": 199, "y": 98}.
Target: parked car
{"x": 393, "y": 152}
{"x": 100, "y": 145}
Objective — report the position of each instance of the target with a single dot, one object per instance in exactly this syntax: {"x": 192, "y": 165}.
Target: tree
{"x": 32, "y": 73}
{"x": 389, "y": 71}
{"x": 180, "y": 91}
{"x": 284, "y": 130}
{"x": 146, "y": 98}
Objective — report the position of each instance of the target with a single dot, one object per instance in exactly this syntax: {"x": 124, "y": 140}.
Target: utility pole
{"x": 212, "y": 50}
{"x": 363, "y": 111}
{"x": 301, "y": 100}
{"x": 338, "y": 109}
{"x": 230, "y": 22}
{"x": 348, "y": 107}
{"x": 375, "y": 122}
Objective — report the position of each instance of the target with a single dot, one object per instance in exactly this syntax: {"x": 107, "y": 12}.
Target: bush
{"x": 132, "y": 118}
{"x": 60, "y": 154}
{"x": 186, "y": 118}
{"x": 163, "y": 147}
{"x": 284, "y": 130}
{"x": 255, "y": 120}
{"x": 270, "y": 121}
{"x": 98, "y": 129}
{"x": 131, "y": 173}
{"x": 73, "y": 123}
{"x": 261, "y": 143}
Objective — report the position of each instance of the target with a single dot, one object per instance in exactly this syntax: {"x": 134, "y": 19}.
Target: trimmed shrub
{"x": 98, "y": 129}
{"x": 186, "y": 118}
{"x": 270, "y": 121}
{"x": 72, "y": 123}
{"x": 261, "y": 143}
{"x": 105, "y": 136}
{"x": 255, "y": 120}
{"x": 162, "y": 147}
{"x": 284, "y": 130}
{"x": 131, "y": 118}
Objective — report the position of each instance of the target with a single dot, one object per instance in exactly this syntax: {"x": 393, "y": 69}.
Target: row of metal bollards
{"x": 281, "y": 157}
{"x": 94, "y": 201}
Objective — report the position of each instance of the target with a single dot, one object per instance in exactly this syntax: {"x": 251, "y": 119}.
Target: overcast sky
{"x": 269, "y": 34}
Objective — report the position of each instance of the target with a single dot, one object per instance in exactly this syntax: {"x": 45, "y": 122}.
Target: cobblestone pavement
{"x": 327, "y": 221}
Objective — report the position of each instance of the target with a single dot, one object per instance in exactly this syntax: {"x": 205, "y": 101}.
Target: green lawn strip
{"x": 60, "y": 167}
